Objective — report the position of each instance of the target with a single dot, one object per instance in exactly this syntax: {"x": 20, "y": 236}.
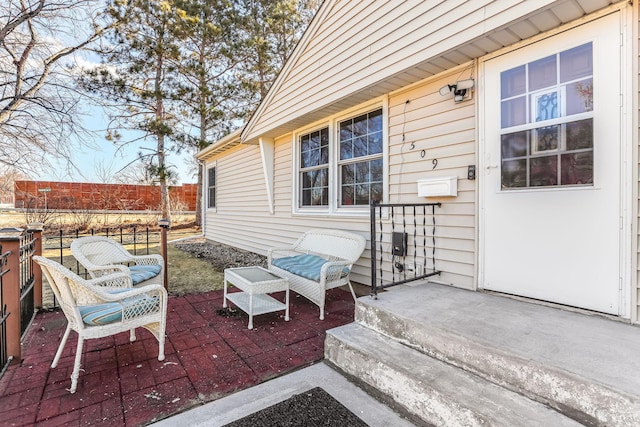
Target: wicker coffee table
{"x": 255, "y": 283}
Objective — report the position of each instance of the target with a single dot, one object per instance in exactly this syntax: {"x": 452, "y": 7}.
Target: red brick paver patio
{"x": 207, "y": 356}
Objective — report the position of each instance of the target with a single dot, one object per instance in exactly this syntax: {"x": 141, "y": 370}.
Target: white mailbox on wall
{"x": 441, "y": 186}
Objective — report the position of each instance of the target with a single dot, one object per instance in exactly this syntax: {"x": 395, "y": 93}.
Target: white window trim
{"x": 206, "y": 191}
{"x": 332, "y": 122}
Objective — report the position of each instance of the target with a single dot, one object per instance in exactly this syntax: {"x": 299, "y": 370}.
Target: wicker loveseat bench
{"x": 319, "y": 260}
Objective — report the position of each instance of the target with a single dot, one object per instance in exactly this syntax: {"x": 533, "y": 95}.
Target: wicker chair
{"x": 104, "y": 306}
{"x": 318, "y": 261}
{"x": 101, "y": 255}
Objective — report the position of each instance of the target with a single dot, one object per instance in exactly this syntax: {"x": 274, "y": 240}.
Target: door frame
{"x": 628, "y": 149}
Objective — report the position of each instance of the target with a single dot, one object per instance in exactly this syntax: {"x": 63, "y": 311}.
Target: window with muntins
{"x": 314, "y": 168}
{"x": 360, "y": 162}
{"x": 340, "y": 165}
{"x": 547, "y": 111}
{"x": 211, "y": 186}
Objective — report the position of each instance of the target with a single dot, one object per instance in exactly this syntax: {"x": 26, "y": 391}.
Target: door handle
{"x": 489, "y": 167}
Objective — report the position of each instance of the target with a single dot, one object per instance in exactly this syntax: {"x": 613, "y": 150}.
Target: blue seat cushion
{"x": 307, "y": 266}
{"x": 140, "y": 273}
{"x": 110, "y": 312}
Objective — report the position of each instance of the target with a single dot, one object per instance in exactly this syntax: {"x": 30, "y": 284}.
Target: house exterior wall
{"x": 241, "y": 217}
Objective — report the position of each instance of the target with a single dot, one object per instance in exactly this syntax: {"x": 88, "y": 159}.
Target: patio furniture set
{"x": 125, "y": 291}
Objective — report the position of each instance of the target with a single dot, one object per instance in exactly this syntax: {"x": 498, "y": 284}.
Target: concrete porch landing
{"x": 583, "y": 366}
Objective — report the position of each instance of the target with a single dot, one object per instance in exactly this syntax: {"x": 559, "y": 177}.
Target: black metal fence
{"x": 56, "y": 245}
{"x": 403, "y": 243}
{"x": 27, "y": 306}
{"x": 4, "y": 357}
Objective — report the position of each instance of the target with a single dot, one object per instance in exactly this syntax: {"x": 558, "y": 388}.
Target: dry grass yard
{"x": 187, "y": 272}
{"x": 54, "y": 219}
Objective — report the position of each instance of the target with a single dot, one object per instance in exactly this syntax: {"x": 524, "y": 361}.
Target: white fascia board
{"x": 311, "y": 30}
{"x": 228, "y": 141}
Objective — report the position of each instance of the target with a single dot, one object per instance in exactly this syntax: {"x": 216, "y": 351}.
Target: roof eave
{"x": 229, "y": 141}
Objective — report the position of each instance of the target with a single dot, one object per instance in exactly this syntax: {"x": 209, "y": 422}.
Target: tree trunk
{"x": 203, "y": 135}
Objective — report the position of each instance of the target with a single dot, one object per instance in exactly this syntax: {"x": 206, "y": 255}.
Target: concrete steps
{"x": 435, "y": 391}
{"x": 455, "y": 357}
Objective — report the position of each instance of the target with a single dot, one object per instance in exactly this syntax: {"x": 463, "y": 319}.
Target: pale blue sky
{"x": 104, "y": 157}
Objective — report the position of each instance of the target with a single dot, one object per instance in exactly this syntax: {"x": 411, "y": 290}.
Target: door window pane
{"x": 577, "y": 168}
{"x": 544, "y": 171}
{"x": 514, "y": 112}
{"x": 579, "y": 96}
{"x": 513, "y": 82}
{"x": 542, "y": 73}
{"x": 546, "y": 106}
{"x": 579, "y": 134}
{"x": 515, "y": 144}
{"x": 514, "y": 173}
{"x": 545, "y": 139}
{"x": 576, "y": 63}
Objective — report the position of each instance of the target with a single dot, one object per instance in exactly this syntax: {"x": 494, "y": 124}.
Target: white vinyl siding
{"x": 436, "y": 128}
{"x": 363, "y": 43}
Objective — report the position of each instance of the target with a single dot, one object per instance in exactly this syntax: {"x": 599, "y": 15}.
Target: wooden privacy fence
{"x": 94, "y": 196}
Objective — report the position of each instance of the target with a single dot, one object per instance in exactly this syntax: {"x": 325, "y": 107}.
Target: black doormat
{"x": 314, "y": 407}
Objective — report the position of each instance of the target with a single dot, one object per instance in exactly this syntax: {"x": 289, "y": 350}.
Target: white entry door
{"x": 551, "y": 183}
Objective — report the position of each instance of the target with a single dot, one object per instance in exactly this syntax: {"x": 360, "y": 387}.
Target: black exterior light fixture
{"x": 461, "y": 90}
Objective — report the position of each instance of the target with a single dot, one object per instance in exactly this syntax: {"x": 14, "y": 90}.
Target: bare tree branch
{"x": 40, "y": 105}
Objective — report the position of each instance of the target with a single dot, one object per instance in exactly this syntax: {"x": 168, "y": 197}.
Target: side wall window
{"x": 314, "y": 168}
{"x": 211, "y": 186}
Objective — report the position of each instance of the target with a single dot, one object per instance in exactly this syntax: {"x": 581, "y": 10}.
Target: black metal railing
{"x": 57, "y": 244}
{"x": 27, "y": 306}
{"x": 403, "y": 243}
{"x": 5, "y": 359}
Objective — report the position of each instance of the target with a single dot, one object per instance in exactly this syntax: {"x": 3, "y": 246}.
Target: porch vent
{"x": 443, "y": 186}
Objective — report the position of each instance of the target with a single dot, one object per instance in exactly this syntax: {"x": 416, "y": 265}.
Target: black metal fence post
{"x": 5, "y": 358}
{"x": 374, "y": 284}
